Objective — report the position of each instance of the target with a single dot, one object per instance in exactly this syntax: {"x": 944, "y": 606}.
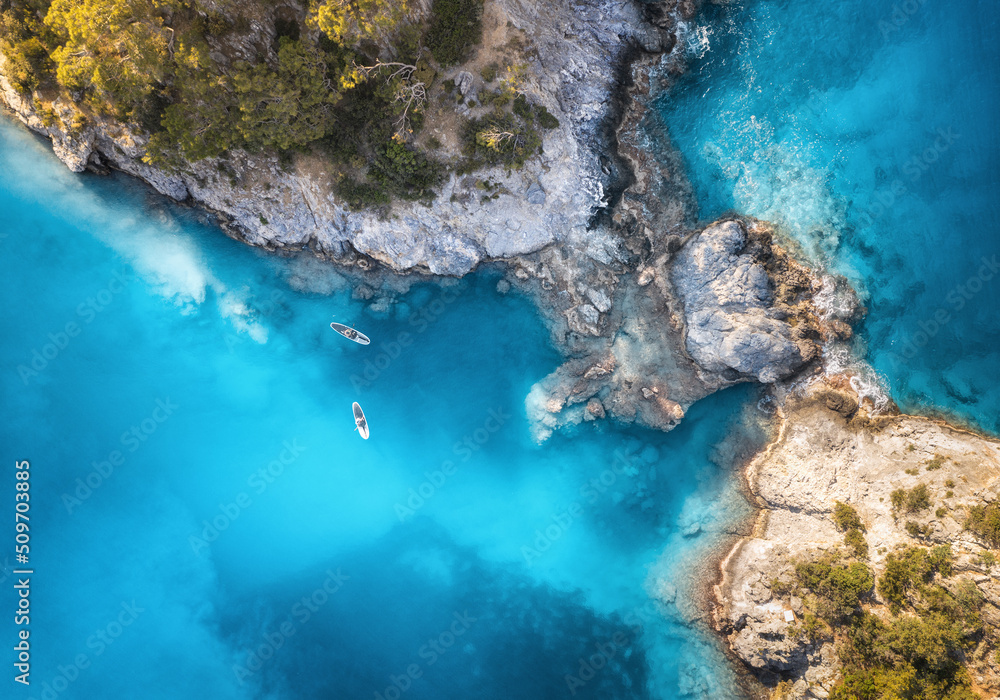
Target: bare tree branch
{"x": 410, "y": 93}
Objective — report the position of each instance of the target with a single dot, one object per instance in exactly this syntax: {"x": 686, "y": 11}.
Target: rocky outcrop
{"x": 727, "y": 305}
{"x": 741, "y": 299}
{"x": 828, "y": 450}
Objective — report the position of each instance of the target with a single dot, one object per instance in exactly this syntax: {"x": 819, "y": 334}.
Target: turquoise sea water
{"x": 206, "y": 524}
{"x": 868, "y": 130}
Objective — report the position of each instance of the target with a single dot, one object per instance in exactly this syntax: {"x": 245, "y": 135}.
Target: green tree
{"x": 200, "y": 122}
{"x": 114, "y": 50}
{"x": 254, "y": 107}
{"x": 455, "y": 27}
{"x": 984, "y": 522}
{"x": 349, "y": 21}
{"x": 846, "y": 517}
{"x": 22, "y": 41}
{"x": 289, "y": 106}
{"x": 839, "y": 588}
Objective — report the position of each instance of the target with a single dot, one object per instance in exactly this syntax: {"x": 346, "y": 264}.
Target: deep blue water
{"x": 206, "y": 524}
{"x": 868, "y": 130}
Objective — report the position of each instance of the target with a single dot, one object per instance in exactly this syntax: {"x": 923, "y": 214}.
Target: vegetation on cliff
{"x": 917, "y": 650}
{"x": 984, "y": 522}
{"x": 347, "y": 81}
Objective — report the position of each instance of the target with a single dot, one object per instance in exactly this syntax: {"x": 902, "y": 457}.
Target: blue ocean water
{"x": 206, "y": 524}
{"x": 867, "y": 129}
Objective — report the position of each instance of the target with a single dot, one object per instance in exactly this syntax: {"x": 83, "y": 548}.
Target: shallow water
{"x": 867, "y": 129}
{"x": 206, "y": 524}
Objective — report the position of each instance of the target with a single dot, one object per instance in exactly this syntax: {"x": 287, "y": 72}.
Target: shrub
{"x": 361, "y": 195}
{"x": 406, "y": 172}
{"x": 854, "y": 539}
{"x": 522, "y": 109}
{"x": 489, "y": 73}
{"x": 916, "y": 530}
{"x": 545, "y": 118}
{"x": 840, "y": 588}
{"x": 949, "y": 483}
{"x": 780, "y": 587}
{"x": 846, "y": 518}
{"x": 935, "y": 463}
{"x": 984, "y": 523}
{"x": 987, "y": 560}
{"x": 455, "y": 27}
{"x": 898, "y": 498}
{"x": 500, "y": 138}
{"x": 916, "y": 499}
{"x": 931, "y": 641}
{"x": 919, "y": 498}
{"x": 910, "y": 569}
{"x": 79, "y": 122}
{"x": 970, "y": 601}
{"x": 810, "y": 628}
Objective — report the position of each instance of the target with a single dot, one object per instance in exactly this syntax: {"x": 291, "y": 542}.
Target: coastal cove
{"x": 190, "y": 436}
{"x": 697, "y": 400}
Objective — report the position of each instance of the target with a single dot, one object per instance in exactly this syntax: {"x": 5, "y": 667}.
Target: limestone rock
{"x": 535, "y": 194}
{"x": 734, "y": 321}
{"x": 818, "y": 459}
{"x": 595, "y": 408}
{"x": 463, "y": 81}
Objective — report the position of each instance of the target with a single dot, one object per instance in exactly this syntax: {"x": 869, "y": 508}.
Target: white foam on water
{"x": 696, "y": 38}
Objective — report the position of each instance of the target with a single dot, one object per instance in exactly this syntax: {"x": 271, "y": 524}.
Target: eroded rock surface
{"x": 726, "y": 305}
{"x": 738, "y": 312}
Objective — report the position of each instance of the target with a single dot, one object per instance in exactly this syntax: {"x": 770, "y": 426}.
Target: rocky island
{"x": 870, "y": 563}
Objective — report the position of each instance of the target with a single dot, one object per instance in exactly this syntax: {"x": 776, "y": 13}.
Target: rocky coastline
{"x": 579, "y": 56}
{"x": 829, "y": 449}
{"x": 652, "y": 310}
{"x": 601, "y": 233}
